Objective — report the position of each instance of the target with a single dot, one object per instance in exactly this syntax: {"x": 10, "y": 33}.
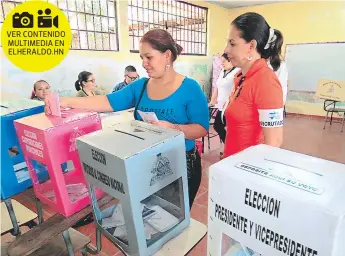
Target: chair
{"x": 212, "y": 113}
{"x": 330, "y": 107}
{"x": 14, "y": 215}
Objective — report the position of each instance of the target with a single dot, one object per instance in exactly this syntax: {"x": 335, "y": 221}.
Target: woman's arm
{"x": 197, "y": 113}
{"x": 98, "y": 103}
{"x": 192, "y": 131}
{"x": 118, "y": 101}
{"x": 268, "y": 99}
{"x": 274, "y": 136}
{"x": 94, "y": 103}
{"x": 214, "y": 96}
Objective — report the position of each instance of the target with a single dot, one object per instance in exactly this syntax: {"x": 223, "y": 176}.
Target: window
{"x": 6, "y": 7}
{"x": 186, "y": 22}
{"x": 93, "y": 22}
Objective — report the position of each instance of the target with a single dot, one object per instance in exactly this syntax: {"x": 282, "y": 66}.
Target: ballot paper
{"x": 75, "y": 192}
{"x": 121, "y": 232}
{"x": 54, "y": 103}
{"x": 162, "y": 220}
{"x": 155, "y": 220}
{"x": 149, "y": 231}
{"x": 148, "y": 117}
{"x": 238, "y": 249}
{"x": 115, "y": 220}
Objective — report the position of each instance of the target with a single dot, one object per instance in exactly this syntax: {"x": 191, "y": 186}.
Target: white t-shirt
{"x": 282, "y": 74}
{"x": 225, "y": 84}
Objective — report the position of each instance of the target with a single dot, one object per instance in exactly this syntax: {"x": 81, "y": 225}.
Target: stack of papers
{"x": 156, "y": 220}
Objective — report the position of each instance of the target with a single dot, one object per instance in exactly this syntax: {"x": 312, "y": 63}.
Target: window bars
{"x": 186, "y": 22}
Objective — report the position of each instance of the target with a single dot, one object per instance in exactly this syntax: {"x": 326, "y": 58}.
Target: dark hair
{"x": 253, "y": 26}
{"x": 161, "y": 40}
{"x": 130, "y": 69}
{"x": 82, "y": 77}
{"x": 225, "y": 56}
{"x": 33, "y": 95}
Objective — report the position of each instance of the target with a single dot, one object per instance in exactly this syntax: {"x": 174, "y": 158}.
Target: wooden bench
{"x": 56, "y": 246}
{"x": 47, "y": 239}
{"x": 49, "y": 232}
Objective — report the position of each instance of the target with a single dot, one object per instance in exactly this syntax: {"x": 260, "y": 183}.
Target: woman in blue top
{"x": 178, "y": 101}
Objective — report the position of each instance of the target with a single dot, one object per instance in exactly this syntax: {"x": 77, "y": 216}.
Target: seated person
{"x": 130, "y": 76}
{"x": 40, "y": 91}
{"x": 86, "y": 85}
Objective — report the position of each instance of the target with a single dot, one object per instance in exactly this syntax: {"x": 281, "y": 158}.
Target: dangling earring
{"x": 167, "y": 67}
{"x": 249, "y": 58}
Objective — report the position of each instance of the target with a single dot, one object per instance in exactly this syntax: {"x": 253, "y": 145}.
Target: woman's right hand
{"x": 47, "y": 106}
{"x": 47, "y": 110}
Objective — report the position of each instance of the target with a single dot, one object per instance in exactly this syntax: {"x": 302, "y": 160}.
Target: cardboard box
{"x": 49, "y": 142}
{"x": 143, "y": 167}
{"x": 15, "y": 177}
{"x": 331, "y": 90}
{"x": 276, "y": 202}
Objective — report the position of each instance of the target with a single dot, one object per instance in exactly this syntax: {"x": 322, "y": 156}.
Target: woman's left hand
{"x": 164, "y": 124}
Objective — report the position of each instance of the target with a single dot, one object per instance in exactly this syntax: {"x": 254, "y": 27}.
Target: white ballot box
{"x": 273, "y": 202}
{"x": 143, "y": 167}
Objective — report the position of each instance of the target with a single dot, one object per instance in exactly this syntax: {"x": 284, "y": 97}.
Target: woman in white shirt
{"x": 280, "y": 69}
{"x": 220, "y": 94}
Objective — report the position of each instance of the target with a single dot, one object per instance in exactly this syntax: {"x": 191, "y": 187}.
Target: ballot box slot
{"x": 129, "y": 134}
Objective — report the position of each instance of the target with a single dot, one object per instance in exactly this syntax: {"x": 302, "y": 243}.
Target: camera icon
{"x": 47, "y": 21}
{"x": 23, "y": 20}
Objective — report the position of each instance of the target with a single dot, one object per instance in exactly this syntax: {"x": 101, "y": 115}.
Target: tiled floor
{"x": 304, "y": 135}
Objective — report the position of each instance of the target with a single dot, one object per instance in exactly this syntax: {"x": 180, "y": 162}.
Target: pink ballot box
{"x": 49, "y": 142}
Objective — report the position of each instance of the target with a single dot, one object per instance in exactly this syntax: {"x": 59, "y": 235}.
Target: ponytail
{"x": 77, "y": 85}
{"x": 274, "y": 51}
{"x": 82, "y": 77}
{"x": 253, "y": 26}
{"x": 33, "y": 95}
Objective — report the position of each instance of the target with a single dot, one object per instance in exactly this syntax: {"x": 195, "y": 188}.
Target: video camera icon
{"x": 26, "y": 20}
{"x": 47, "y": 21}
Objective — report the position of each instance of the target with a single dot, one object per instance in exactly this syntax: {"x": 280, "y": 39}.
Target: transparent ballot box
{"x": 270, "y": 201}
{"x": 49, "y": 143}
{"x": 15, "y": 177}
{"x": 143, "y": 168}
